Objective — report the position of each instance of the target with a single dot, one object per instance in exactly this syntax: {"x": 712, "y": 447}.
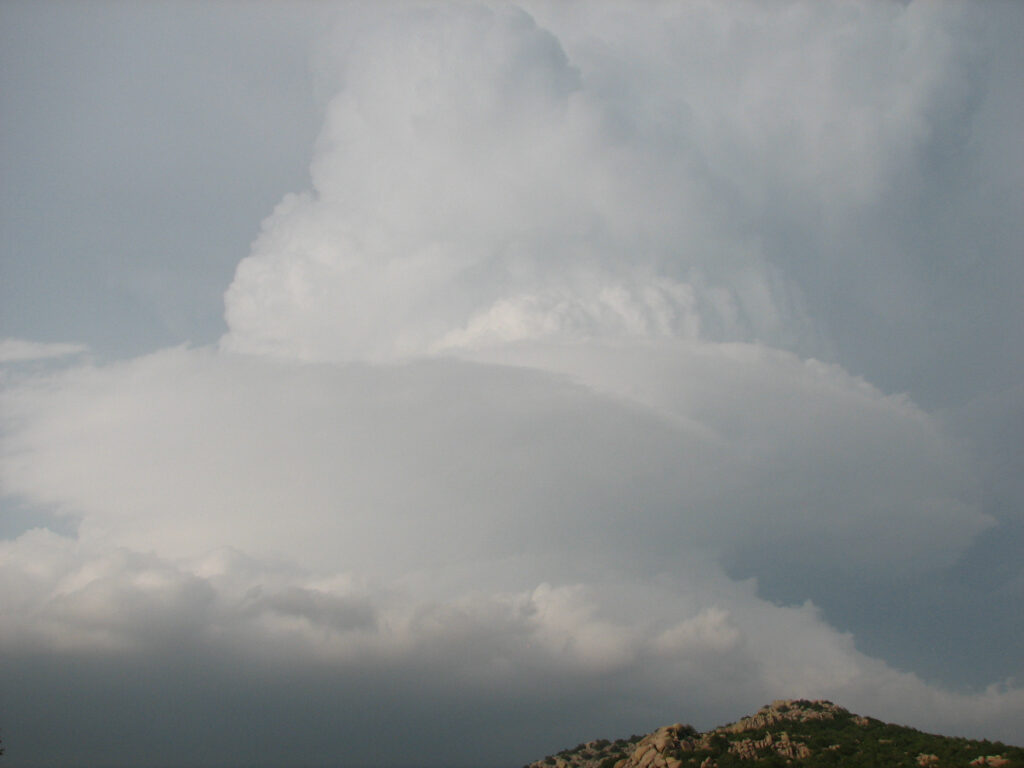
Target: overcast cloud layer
{"x": 618, "y": 367}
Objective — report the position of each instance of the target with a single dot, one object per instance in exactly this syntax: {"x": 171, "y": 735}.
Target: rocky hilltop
{"x": 802, "y": 733}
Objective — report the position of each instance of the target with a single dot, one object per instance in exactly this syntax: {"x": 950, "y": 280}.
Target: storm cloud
{"x": 618, "y": 367}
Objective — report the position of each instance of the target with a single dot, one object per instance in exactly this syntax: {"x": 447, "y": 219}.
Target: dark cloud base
{"x": 194, "y": 708}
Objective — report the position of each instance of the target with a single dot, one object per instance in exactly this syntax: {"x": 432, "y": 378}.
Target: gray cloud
{"x": 613, "y": 654}
{"x": 611, "y": 357}
{"x": 461, "y": 532}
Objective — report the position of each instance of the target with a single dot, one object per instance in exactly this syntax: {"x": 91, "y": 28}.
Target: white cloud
{"x": 522, "y": 376}
{"x": 20, "y": 350}
{"x": 606, "y": 173}
{"x": 741, "y": 449}
{"x": 486, "y": 197}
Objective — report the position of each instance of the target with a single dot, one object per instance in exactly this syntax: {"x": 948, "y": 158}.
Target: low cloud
{"x": 611, "y": 655}
{"x": 21, "y": 350}
{"x": 449, "y": 529}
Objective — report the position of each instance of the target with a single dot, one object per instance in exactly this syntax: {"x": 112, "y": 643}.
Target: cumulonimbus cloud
{"x": 504, "y": 390}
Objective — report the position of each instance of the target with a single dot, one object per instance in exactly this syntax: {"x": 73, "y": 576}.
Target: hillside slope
{"x": 800, "y": 733}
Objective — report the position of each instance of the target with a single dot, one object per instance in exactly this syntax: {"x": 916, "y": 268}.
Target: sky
{"x": 445, "y": 384}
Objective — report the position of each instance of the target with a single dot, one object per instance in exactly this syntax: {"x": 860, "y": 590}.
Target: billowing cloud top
{"x": 518, "y": 395}
{"x": 462, "y": 199}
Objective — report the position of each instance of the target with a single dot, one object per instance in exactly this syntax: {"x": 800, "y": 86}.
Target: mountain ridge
{"x": 801, "y": 733}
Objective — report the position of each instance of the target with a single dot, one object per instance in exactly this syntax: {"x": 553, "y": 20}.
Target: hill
{"x": 799, "y": 733}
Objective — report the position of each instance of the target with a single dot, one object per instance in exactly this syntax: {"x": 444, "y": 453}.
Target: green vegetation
{"x": 795, "y": 734}
{"x": 842, "y": 741}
